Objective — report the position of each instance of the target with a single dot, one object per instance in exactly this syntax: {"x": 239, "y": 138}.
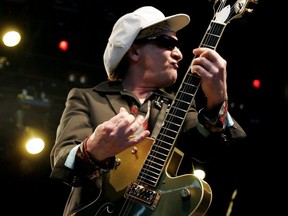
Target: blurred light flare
{"x": 256, "y": 83}
{"x": 11, "y": 38}
{"x": 35, "y": 145}
{"x": 63, "y": 45}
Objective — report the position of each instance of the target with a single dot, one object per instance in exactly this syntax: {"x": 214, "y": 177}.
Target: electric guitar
{"x": 144, "y": 181}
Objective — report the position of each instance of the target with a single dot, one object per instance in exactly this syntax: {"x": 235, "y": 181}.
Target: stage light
{"x": 35, "y": 145}
{"x": 32, "y": 140}
{"x": 11, "y": 38}
{"x": 83, "y": 79}
{"x": 63, "y": 45}
{"x": 256, "y": 83}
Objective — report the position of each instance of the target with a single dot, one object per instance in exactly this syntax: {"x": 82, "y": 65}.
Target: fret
{"x": 186, "y": 96}
{"x": 172, "y": 122}
{"x": 164, "y": 151}
{"x": 190, "y": 85}
{"x": 177, "y": 110}
{"x": 154, "y": 164}
{"x": 151, "y": 171}
{"x": 148, "y": 181}
{"x": 161, "y": 149}
{"x": 149, "y": 178}
{"x": 208, "y": 46}
{"x": 160, "y": 153}
{"x": 147, "y": 175}
{"x": 180, "y": 110}
{"x": 193, "y": 79}
{"x": 191, "y": 95}
{"x": 162, "y": 143}
{"x": 150, "y": 174}
{"x": 182, "y": 103}
{"x": 165, "y": 139}
{"x": 213, "y": 34}
{"x": 172, "y": 125}
{"x": 162, "y": 146}
{"x": 170, "y": 130}
{"x": 217, "y": 28}
{"x": 157, "y": 158}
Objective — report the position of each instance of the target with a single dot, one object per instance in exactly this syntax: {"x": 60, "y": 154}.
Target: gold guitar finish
{"x": 129, "y": 162}
{"x": 178, "y": 195}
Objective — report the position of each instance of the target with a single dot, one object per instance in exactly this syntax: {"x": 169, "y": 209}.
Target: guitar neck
{"x": 164, "y": 142}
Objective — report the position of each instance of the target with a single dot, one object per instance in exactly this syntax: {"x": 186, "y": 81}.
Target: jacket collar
{"x": 114, "y": 91}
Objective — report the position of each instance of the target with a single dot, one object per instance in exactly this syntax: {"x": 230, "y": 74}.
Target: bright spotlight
{"x": 11, "y": 38}
{"x": 35, "y": 145}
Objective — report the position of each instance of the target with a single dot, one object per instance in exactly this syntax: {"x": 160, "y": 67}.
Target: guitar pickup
{"x": 143, "y": 194}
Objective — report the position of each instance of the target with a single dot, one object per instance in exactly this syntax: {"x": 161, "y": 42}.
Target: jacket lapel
{"x": 117, "y": 102}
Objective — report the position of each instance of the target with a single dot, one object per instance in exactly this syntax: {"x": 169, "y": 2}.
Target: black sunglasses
{"x": 164, "y": 41}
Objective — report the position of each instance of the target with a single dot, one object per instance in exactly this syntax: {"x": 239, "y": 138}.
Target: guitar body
{"x": 173, "y": 200}
{"x": 180, "y": 195}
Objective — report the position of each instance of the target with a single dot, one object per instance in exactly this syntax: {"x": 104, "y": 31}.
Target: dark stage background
{"x": 254, "y": 47}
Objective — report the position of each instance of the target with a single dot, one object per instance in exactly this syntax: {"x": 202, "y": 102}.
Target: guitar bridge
{"x": 143, "y": 194}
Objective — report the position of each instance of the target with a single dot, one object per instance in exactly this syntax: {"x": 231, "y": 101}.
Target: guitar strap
{"x": 163, "y": 102}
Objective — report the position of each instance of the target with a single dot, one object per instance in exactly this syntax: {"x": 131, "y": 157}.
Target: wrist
{"x": 214, "y": 120}
{"x": 212, "y": 111}
{"x": 106, "y": 164}
{"x": 92, "y": 167}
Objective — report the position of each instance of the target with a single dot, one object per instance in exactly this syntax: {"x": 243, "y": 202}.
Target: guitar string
{"x": 128, "y": 202}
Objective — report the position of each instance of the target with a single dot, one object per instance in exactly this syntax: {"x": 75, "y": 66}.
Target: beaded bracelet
{"x": 103, "y": 166}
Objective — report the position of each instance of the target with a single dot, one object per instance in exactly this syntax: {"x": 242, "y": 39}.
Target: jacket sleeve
{"x": 73, "y": 129}
{"x": 204, "y": 147}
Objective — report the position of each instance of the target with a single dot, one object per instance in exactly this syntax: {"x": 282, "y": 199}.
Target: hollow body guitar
{"x": 145, "y": 181}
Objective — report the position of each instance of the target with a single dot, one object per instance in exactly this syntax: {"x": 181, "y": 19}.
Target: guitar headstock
{"x": 231, "y": 9}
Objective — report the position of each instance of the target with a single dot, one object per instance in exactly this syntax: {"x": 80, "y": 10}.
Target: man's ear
{"x": 133, "y": 52}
